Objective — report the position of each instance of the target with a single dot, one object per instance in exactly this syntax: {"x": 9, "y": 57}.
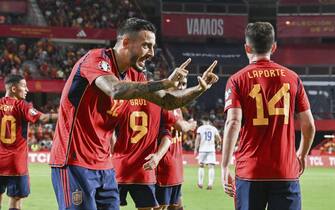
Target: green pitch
{"x": 318, "y": 189}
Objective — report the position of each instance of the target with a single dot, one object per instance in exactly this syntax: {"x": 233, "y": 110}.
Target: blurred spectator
{"x": 39, "y": 58}
{"x": 40, "y": 135}
{"x": 328, "y": 147}
{"x": 12, "y": 19}
{"x": 87, "y": 13}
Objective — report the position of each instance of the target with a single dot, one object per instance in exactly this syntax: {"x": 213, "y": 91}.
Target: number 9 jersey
{"x": 15, "y": 115}
{"x": 268, "y": 95}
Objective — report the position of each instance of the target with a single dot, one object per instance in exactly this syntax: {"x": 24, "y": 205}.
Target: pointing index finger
{"x": 211, "y": 67}
{"x": 183, "y": 65}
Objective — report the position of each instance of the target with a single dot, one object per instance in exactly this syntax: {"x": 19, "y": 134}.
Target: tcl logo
{"x": 316, "y": 161}
{"x": 38, "y": 157}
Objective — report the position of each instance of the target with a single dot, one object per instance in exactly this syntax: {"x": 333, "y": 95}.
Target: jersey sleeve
{"x": 94, "y": 66}
{"x": 232, "y": 96}
{"x": 29, "y": 112}
{"x": 302, "y": 103}
{"x": 169, "y": 117}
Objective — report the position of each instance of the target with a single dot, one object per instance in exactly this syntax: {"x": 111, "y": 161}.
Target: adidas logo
{"x": 81, "y": 34}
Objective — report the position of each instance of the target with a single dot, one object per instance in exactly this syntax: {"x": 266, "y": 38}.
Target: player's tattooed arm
{"x": 155, "y": 92}
{"x": 111, "y": 86}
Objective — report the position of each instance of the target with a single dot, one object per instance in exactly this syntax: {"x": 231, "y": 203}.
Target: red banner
{"x": 305, "y": 54}
{"x": 13, "y": 7}
{"x": 46, "y": 86}
{"x": 56, "y": 32}
{"x": 201, "y": 25}
{"x": 306, "y": 26}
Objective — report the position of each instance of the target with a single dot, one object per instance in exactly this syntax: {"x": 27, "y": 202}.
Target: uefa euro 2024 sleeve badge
{"x": 104, "y": 66}
{"x": 77, "y": 197}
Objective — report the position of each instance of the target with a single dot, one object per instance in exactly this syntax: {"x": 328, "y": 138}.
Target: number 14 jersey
{"x": 268, "y": 94}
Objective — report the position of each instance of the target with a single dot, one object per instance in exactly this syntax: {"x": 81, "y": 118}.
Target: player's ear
{"x": 125, "y": 41}
{"x": 247, "y": 48}
{"x": 274, "y": 47}
{"x": 13, "y": 88}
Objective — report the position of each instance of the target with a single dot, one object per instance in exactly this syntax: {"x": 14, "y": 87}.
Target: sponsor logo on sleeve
{"x": 227, "y": 94}
{"x": 104, "y": 66}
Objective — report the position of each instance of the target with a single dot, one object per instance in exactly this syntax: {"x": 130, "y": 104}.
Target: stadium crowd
{"x": 87, "y": 13}
{"x": 37, "y": 59}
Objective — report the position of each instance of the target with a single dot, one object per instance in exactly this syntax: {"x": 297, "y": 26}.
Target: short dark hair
{"x": 135, "y": 25}
{"x": 205, "y": 117}
{"x": 13, "y": 79}
{"x": 261, "y": 36}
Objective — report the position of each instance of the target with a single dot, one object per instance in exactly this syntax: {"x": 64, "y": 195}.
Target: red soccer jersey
{"x": 15, "y": 115}
{"x": 268, "y": 94}
{"x": 137, "y": 131}
{"x": 84, "y": 127}
{"x": 170, "y": 169}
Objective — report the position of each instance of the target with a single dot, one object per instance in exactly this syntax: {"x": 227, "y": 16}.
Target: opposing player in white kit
{"x": 207, "y": 136}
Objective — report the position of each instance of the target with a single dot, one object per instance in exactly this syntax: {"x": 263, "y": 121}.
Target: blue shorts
{"x": 168, "y": 196}
{"x": 81, "y": 188}
{"x": 17, "y": 186}
{"x": 278, "y": 195}
{"x": 142, "y": 195}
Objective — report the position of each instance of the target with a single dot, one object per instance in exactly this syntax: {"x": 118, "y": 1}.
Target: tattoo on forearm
{"x": 131, "y": 90}
{"x": 180, "y": 98}
{"x": 155, "y": 86}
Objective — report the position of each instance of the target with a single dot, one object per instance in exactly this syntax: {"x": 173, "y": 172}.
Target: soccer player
{"x": 207, "y": 136}
{"x": 138, "y": 123}
{"x": 170, "y": 169}
{"x": 15, "y": 114}
{"x": 260, "y": 103}
{"x": 82, "y": 170}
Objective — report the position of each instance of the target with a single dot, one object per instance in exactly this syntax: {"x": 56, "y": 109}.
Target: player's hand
{"x": 228, "y": 182}
{"x": 152, "y": 162}
{"x": 208, "y": 78}
{"x": 179, "y": 73}
{"x": 302, "y": 163}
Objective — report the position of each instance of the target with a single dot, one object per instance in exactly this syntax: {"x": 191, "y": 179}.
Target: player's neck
{"x": 11, "y": 95}
{"x": 122, "y": 65}
{"x": 254, "y": 58}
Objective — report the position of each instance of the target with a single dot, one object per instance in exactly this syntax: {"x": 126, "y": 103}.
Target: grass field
{"x": 318, "y": 189}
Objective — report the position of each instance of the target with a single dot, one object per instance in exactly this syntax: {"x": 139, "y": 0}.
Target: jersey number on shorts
{"x": 141, "y": 125}
{"x": 283, "y": 92}
{"x": 12, "y": 137}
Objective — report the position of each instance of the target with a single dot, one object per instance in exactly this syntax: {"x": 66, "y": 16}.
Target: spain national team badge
{"x": 77, "y": 197}
{"x": 104, "y": 66}
{"x": 32, "y": 112}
